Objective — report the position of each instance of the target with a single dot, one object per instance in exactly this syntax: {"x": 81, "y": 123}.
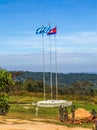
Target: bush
{"x": 4, "y": 104}
{"x": 5, "y": 82}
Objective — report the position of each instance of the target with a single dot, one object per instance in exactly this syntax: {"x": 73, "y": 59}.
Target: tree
{"x": 31, "y": 85}
{"x": 40, "y": 85}
{"x": 5, "y": 82}
{"x": 83, "y": 87}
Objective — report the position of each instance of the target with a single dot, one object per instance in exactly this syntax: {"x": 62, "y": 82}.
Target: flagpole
{"x": 43, "y": 67}
{"x": 50, "y": 68}
{"x": 56, "y": 69}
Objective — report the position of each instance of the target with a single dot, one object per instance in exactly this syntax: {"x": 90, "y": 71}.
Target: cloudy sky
{"x": 76, "y": 38}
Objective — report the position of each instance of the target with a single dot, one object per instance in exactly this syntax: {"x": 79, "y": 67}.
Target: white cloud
{"x": 77, "y": 41}
{"x": 80, "y": 37}
{"x": 67, "y": 62}
{"x": 76, "y": 51}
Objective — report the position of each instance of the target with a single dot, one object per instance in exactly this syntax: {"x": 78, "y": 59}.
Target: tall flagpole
{"x": 43, "y": 67}
{"x": 56, "y": 69}
{"x": 50, "y": 69}
{"x": 42, "y": 30}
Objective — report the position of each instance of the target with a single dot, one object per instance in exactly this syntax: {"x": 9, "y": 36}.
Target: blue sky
{"x": 76, "y": 39}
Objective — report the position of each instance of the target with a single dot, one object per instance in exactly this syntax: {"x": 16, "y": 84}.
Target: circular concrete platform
{"x": 53, "y": 103}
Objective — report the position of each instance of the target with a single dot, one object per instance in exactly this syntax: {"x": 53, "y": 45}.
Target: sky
{"x": 75, "y": 41}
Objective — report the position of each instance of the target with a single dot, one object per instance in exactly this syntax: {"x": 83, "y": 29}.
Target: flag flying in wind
{"x": 40, "y": 30}
{"x": 43, "y": 30}
{"x": 52, "y": 31}
{"x": 47, "y": 29}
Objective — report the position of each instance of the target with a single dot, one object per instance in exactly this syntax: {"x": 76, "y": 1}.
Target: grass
{"x": 21, "y": 108}
{"x": 24, "y": 111}
{"x": 86, "y": 105}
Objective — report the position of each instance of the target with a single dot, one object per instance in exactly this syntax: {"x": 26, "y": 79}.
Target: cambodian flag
{"x": 52, "y": 31}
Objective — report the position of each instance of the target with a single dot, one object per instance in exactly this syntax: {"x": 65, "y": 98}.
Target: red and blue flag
{"x": 52, "y": 31}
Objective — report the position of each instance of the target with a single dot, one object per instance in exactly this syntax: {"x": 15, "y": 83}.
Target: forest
{"x": 72, "y": 83}
{"x": 63, "y": 79}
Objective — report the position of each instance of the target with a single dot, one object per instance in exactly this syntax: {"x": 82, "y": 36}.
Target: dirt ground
{"x": 16, "y": 124}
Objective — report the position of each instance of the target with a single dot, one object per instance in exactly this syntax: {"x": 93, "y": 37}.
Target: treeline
{"x": 80, "y": 84}
{"x": 77, "y": 88}
{"x": 63, "y": 79}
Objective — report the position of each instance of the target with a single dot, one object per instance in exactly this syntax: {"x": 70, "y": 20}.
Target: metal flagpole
{"x": 50, "y": 68}
{"x": 56, "y": 69}
{"x": 43, "y": 67}
{"x": 41, "y": 30}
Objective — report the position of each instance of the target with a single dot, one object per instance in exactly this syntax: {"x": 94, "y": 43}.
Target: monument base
{"x": 53, "y": 103}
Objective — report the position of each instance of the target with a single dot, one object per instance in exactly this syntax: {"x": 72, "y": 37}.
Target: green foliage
{"x": 33, "y": 86}
{"x": 5, "y": 82}
{"x": 4, "y": 104}
{"x": 63, "y": 79}
{"x": 72, "y": 83}
{"x": 83, "y": 88}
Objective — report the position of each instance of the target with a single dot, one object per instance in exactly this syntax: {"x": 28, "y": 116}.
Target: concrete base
{"x": 53, "y": 103}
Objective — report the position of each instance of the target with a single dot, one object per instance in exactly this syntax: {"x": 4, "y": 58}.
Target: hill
{"x": 63, "y": 79}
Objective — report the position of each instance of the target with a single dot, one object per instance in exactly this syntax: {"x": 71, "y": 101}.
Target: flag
{"x": 40, "y": 30}
{"x": 47, "y": 29}
{"x": 43, "y": 30}
{"x": 52, "y": 31}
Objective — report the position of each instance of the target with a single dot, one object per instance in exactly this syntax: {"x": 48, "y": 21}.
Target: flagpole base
{"x": 53, "y": 103}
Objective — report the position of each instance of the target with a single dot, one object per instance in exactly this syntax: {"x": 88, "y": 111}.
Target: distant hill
{"x": 63, "y": 79}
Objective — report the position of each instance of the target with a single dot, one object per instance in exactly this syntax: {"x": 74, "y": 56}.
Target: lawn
{"x": 21, "y": 108}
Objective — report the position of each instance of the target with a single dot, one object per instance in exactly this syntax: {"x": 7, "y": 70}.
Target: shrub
{"x": 4, "y": 104}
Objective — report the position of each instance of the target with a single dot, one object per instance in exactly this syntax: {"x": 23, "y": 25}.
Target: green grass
{"x": 21, "y": 99}
{"x": 86, "y": 105}
{"x": 29, "y": 110}
{"x": 21, "y": 108}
